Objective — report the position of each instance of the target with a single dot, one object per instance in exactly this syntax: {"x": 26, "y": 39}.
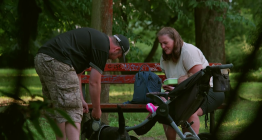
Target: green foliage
{"x": 56, "y": 17}
{"x": 129, "y": 17}
{"x": 177, "y": 14}
{"x": 31, "y": 113}
{"x": 236, "y": 51}
{"x": 241, "y": 28}
{"x": 22, "y": 15}
{"x": 253, "y": 76}
{"x": 13, "y": 120}
{"x": 8, "y": 16}
{"x": 139, "y": 20}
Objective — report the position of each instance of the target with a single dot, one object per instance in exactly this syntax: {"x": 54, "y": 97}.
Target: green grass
{"x": 239, "y": 116}
{"x": 14, "y": 72}
{"x": 253, "y": 94}
{"x": 237, "y": 119}
{"x": 255, "y": 76}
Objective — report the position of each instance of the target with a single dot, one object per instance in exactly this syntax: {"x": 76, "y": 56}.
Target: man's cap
{"x": 124, "y": 44}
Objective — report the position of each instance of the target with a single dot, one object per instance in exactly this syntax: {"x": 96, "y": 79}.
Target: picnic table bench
{"x": 130, "y": 79}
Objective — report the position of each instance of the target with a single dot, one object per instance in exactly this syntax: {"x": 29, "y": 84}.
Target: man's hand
{"x": 85, "y": 107}
{"x": 96, "y": 113}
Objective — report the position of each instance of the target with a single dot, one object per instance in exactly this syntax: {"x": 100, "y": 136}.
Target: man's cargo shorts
{"x": 60, "y": 84}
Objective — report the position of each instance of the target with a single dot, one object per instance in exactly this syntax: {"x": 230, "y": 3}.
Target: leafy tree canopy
{"x": 139, "y": 20}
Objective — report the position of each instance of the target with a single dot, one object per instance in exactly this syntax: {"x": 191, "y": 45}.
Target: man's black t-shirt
{"x": 80, "y": 48}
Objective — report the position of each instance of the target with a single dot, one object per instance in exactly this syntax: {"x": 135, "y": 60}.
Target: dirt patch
{"x": 154, "y": 138}
{"x": 163, "y": 137}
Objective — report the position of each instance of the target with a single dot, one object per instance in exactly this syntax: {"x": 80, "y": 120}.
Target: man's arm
{"x": 94, "y": 91}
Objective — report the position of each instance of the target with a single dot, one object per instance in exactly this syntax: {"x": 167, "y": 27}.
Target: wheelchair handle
{"x": 224, "y": 66}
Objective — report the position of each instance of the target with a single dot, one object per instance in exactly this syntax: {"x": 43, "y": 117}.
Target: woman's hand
{"x": 168, "y": 88}
{"x": 183, "y": 78}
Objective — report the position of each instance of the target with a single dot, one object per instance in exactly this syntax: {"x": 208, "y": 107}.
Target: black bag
{"x": 145, "y": 82}
{"x": 221, "y": 82}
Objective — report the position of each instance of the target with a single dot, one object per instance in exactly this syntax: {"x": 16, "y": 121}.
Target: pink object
{"x": 151, "y": 108}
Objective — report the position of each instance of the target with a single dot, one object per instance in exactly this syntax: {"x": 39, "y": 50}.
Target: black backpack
{"x": 145, "y": 82}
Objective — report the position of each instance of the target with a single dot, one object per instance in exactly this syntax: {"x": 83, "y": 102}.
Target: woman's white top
{"x": 190, "y": 56}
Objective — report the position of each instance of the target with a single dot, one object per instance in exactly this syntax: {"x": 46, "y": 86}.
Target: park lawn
{"x": 238, "y": 117}
{"x": 255, "y": 94}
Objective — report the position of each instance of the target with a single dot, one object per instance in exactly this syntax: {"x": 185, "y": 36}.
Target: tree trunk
{"x": 106, "y": 27}
{"x": 102, "y": 16}
{"x": 96, "y": 14}
{"x": 153, "y": 51}
{"x": 210, "y": 34}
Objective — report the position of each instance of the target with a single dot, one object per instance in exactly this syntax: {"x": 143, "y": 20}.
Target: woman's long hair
{"x": 178, "y": 43}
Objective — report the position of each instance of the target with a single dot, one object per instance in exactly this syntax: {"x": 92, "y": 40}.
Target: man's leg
{"x": 72, "y": 133}
{"x": 43, "y": 66}
{"x": 62, "y": 128}
{"x": 69, "y": 98}
{"x": 62, "y": 88}
{"x": 69, "y": 131}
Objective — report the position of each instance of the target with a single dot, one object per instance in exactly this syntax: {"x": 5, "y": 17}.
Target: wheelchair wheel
{"x": 205, "y": 136}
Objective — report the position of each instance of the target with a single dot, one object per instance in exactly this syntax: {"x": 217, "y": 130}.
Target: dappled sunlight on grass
{"x": 255, "y": 95}
{"x": 238, "y": 118}
{"x": 29, "y": 87}
{"x": 251, "y": 98}
{"x": 229, "y": 129}
{"x": 235, "y": 123}
{"x": 31, "y": 90}
{"x": 117, "y": 93}
{"x": 6, "y": 100}
{"x": 120, "y": 93}
{"x": 30, "y": 98}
